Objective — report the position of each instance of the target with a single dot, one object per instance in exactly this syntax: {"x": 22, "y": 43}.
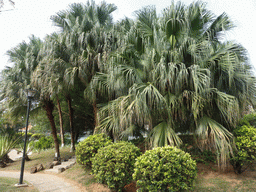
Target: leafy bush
{"x": 7, "y": 142}
{"x": 165, "y": 169}
{"x": 67, "y": 140}
{"x": 22, "y": 134}
{"x": 44, "y": 143}
{"x": 37, "y": 136}
{"x": 249, "y": 120}
{"x": 87, "y": 148}
{"x": 114, "y": 164}
{"x": 245, "y": 140}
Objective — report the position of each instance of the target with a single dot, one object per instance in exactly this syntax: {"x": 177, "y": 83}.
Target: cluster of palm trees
{"x": 164, "y": 75}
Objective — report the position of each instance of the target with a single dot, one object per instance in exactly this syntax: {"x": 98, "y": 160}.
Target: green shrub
{"x": 249, "y": 120}
{"x": 22, "y": 134}
{"x": 37, "y": 136}
{"x": 67, "y": 140}
{"x": 165, "y": 169}
{"x": 44, "y": 143}
{"x": 114, "y": 164}
{"x": 87, "y": 148}
{"x": 245, "y": 140}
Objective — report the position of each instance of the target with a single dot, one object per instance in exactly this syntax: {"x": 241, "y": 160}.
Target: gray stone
{"x": 40, "y": 167}
{"x": 56, "y": 163}
{"x": 56, "y": 169}
{"x": 49, "y": 166}
{"x": 33, "y": 170}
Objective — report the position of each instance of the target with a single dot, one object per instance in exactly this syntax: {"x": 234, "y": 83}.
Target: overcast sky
{"x": 33, "y": 17}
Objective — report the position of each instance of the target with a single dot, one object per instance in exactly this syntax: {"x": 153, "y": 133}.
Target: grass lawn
{"x": 44, "y": 157}
{"x": 208, "y": 180}
{"x": 7, "y": 185}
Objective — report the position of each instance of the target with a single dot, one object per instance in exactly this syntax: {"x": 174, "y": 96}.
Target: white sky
{"x": 33, "y": 17}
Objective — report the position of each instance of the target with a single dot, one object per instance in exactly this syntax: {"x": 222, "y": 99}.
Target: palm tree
{"x": 186, "y": 80}
{"x": 85, "y": 29}
{"x": 82, "y": 18}
{"x": 26, "y": 58}
{"x": 14, "y": 80}
{"x": 2, "y": 3}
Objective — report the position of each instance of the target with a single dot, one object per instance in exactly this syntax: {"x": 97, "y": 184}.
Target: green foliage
{"x": 165, "y": 169}
{"x": 245, "y": 140}
{"x": 37, "y": 136}
{"x": 87, "y": 148}
{"x": 67, "y": 140}
{"x": 114, "y": 164}
{"x": 7, "y": 142}
{"x": 44, "y": 143}
{"x": 249, "y": 120}
{"x": 205, "y": 157}
{"x": 22, "y": 134}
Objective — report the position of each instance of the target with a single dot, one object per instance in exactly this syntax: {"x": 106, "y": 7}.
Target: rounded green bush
{"x": 44, "y": 143}
{"x": 87, "y": 148}
{"x": 245, "y": 155}
{"x": 165, "y": 169}
{"x": 114, "y": 164}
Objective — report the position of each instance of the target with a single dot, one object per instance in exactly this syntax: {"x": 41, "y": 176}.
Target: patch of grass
{"x": 225, "y": 184}
{"x": 44, "y": 157}
{"x": 79, "y": 173}
{"x": 7, "y": 185}
{"x": 213, "y": 184}
{"x": 246, "y": 185}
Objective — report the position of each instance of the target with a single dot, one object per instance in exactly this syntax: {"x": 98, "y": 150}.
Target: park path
{"x": 44, "y": 182}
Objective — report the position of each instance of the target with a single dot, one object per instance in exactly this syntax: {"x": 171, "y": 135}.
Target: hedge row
{"x": 117, "y": 164}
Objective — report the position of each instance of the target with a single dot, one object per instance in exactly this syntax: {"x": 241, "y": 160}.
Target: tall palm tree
{"x": 186, "y": 79}
{"x": 16, "y": 79}
{"x": 87, "y": 39}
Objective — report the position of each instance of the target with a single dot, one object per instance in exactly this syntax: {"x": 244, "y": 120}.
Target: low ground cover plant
{"x": 7, "y": 142}
{"x": 114, "y": 164}
{"x": 87, "y": 148}
{"x": 165, "y": 169}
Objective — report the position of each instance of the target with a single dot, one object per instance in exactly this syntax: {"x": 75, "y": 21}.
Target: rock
{"x": 33, "y": 170}
{"x": 57, "y": 159}
{"x": 56, "y": 170}
{"x": 49, "y": 166}
{"x": 40, "y": 167}
{"x": 2, "y": 164}
{"x": 61, "y": 169}
{"x": 56, "y": 163}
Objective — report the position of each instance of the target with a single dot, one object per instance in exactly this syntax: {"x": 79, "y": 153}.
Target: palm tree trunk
{"x": 71, "y": 112}
{"x": 61, "y": 123}
{"x": 95, "y": 111}
{"x": 48, "y": 106}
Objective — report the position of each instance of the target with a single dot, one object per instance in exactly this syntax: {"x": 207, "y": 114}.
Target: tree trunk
{"x": 48, "y": 106}
{"x": 61, "y": 123}
{"x": 95, "y": 112}
{"x": 72, "y": 133}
